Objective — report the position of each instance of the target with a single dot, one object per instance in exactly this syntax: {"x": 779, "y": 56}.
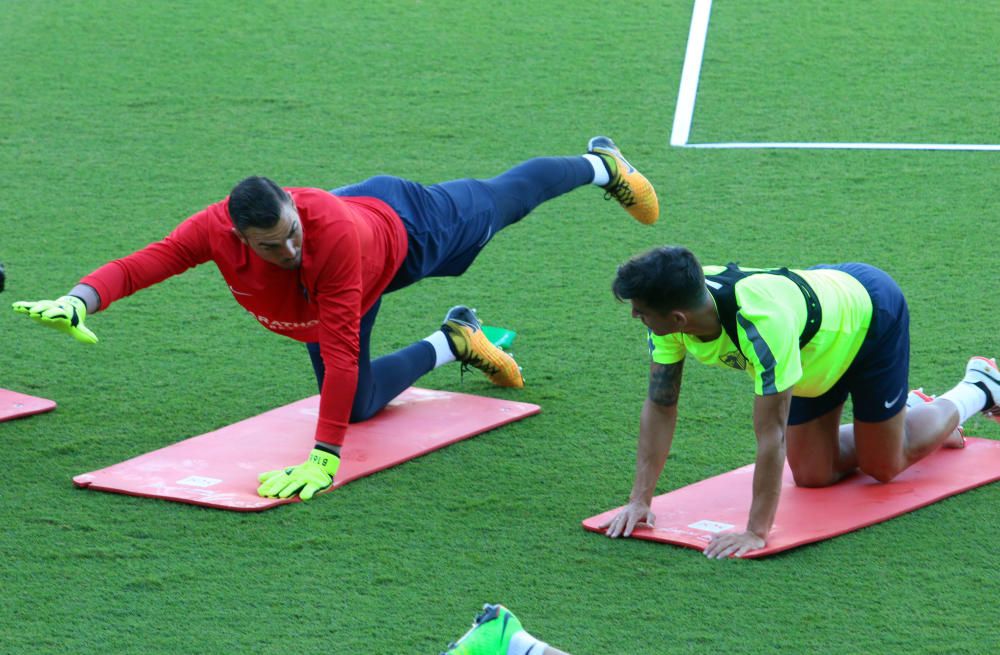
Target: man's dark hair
{"x": 256, "y": 202}
{"x": 664, "y": 278}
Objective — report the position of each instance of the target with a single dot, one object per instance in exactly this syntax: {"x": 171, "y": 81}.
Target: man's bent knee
{"x": 814, "y": 479}
{"x": 364, "y": 408}
{"x": 881, "y": 473}
{"x": 359, "y": 414}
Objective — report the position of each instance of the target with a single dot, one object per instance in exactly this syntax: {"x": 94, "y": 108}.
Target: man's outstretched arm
{"x": 770, "y": 419}
{"x": 185, "y": 247}
{"x": 656, "y": 433}
{"x": 338, "y": 295}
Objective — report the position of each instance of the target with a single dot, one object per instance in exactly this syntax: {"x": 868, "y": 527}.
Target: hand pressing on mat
{"x": 309, "y": 477}
{"x": 732, "y": 544}
{"x": 65, "y": 314}
{"x": 636, "y": 513}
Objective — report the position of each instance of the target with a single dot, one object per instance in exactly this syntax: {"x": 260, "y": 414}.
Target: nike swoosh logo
{"x": 988, "y": 376}
{"x": 238, "y": 293}
{"x": 503, "y": 631}
{"x": 890, "y": 403}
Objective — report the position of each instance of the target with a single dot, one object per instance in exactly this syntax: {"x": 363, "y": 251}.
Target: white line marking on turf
{"x": 688, "y": 92}
{"x": 850, "y": 146}
{"x": 684, "y": 113}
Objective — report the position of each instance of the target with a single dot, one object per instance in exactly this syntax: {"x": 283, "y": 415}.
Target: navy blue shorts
{"x": 877, "y": 379}
{"x": 448, "y": 224}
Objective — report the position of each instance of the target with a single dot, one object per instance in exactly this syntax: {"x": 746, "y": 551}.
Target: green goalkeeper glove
{"x": 65, "y": 314}
{"x": 315, "y": 474}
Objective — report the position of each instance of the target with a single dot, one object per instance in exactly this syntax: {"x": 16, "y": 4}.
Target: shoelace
{"x": 473, "y": 359}
{"x": 620, "y": 191}
{"x": 483, "y": 365}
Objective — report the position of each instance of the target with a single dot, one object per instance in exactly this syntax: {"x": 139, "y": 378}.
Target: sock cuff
{"x": 969, "y": 398}
{"x": 602, "y": 176}
{"x": 990, "y": 400}
{"x": 443, "y": 352}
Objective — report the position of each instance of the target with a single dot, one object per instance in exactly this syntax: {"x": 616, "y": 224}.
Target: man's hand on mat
{"x": 733, "y": 544}
{"x": 315, "y": 474}
{"x": 65, "y": 314}
{"x": 636, "y": 513}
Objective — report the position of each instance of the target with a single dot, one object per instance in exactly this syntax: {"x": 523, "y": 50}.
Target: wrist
{"x": 325, "y": 459}
{"x": 333, "y": 449}
{"x": 641, "y": 497}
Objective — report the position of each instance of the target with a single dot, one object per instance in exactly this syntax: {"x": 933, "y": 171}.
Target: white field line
{"x": 850, "y": 146}
{"x": 691, "y": 72}
{"x": 686, "y": 95}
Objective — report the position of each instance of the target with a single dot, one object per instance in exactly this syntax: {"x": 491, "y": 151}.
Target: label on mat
{"x": 710, "y": 526}
{"x": 199, "y": 481}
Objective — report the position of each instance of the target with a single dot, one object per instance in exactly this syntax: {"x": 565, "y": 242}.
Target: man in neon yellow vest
{"x": 809, "y": 339}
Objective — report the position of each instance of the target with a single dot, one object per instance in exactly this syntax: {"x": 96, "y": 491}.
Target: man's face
{"x": 660, "y": 324}
{"x": 280, "y": 245}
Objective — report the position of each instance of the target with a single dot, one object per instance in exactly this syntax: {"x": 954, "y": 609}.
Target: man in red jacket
{"x": 313, "y": 265}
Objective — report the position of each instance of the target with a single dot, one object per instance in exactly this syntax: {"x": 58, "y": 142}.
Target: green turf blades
{"x": 499, "y": 337}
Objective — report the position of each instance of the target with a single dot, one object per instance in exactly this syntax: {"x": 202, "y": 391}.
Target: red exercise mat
{"x": 689, "y": 516}
{"x": 16, "y": 405}
{"x": 219, "y": 469}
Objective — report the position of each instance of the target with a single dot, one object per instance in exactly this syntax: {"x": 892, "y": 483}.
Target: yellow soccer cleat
{"x": 628, "y": 186}
{"x": 472, "y": 348}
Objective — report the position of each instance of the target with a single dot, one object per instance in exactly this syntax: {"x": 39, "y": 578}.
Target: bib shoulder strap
{"x": 814, "y": 313}
{"x": 722, "y": 286}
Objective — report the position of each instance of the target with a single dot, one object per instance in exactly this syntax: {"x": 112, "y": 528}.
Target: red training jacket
{"x": 351, "y": 249}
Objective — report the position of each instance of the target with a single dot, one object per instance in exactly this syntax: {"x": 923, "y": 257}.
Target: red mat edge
{"x": 80, "y": 483}
{"x": 765, "y": 552}
{"x": 207, "y": 505}
{"x": 45, "y": 406}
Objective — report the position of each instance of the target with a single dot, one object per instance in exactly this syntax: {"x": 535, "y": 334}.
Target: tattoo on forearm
{"x": 665, "y": 383}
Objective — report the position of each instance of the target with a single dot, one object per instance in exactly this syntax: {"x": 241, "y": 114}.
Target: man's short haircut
{"x": 665, "y": 278}
{"x": 256, "y": 202}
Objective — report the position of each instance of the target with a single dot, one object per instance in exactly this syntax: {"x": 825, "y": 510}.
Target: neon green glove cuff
{"x": 65, "y": 314}
{"x": 313, "y": 475}
{"x": 327, "y": 461}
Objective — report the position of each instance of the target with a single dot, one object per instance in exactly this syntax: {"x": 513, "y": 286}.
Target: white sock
{"x": 524, "y": 644}
{"x": 601, "y": 175}
{"x": 442, "y": 350}
{"x": 968, "y": 398}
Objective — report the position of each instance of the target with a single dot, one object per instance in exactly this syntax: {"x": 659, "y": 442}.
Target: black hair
{"x": 665, "y": 278}
{"x": 256, "y": 202}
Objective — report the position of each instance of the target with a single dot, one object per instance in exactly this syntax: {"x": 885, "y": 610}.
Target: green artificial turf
{"x": 118, "y": 120}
